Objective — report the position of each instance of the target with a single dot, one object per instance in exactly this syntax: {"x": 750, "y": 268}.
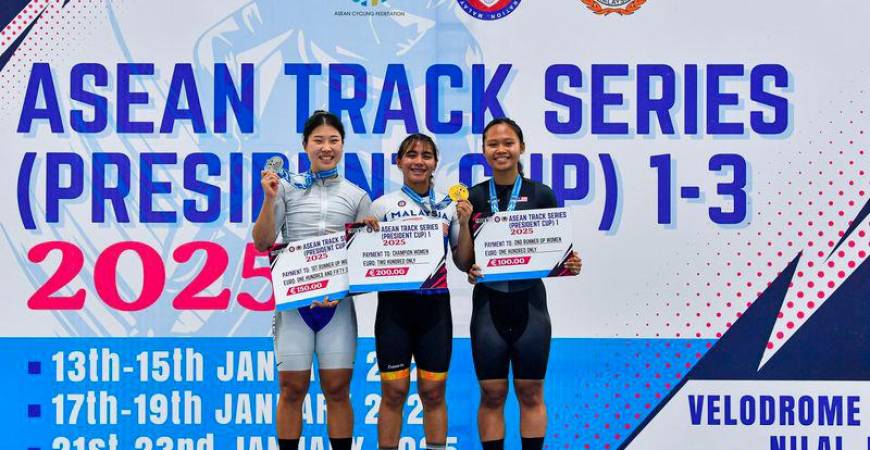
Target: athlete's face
{"x": 418, "y": 163}
{"x": 324, "y": 148}
{"x": 502, "y": 148}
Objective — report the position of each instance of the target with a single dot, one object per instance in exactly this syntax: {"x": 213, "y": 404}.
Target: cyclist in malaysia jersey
{"x": 510, "y": 325}
{"x": 314, "y": 203}
{"x": 417, "y": 323}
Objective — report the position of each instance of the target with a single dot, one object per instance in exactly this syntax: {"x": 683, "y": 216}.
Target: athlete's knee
{"x": 493, "y": 397}
{"x": 432, "y": 396}
{"x": 530, "y": 396}
{"x": 336, "y": 391}
{"x": 393, "y": 396}
{"x": 292, "y": 392}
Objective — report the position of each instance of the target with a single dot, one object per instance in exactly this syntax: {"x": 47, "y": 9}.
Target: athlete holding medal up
{"x": 418, "y": 323}
{"x": 510, "y": 325}
{"x": 299, "y": 206}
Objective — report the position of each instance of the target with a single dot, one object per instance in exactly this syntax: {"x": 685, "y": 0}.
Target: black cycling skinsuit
{"x": 510, "y": 325}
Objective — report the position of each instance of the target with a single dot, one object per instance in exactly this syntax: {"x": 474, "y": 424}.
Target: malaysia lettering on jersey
{"x": 396, "y": 206}
{"x": 419, "y": 213}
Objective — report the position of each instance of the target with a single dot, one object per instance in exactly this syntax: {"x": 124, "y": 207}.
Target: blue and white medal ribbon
{"x": 308, "y": 178}
{"x": 420, "y": 201}
{"x": 300, "y": 181}
{"x": 515, "y": 195}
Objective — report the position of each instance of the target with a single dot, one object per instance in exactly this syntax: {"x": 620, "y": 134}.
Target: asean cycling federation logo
{"x": 489, "y": 9}
{"x": 606, "y": 7}
{"x": 371, "y": 8}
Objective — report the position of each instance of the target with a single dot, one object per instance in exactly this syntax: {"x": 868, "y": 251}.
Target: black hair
{"x": 412, "y": 139}
{"x": 319, "y": 118}
{"x": 409, "y": 142}
{"x": 513, "y": 126}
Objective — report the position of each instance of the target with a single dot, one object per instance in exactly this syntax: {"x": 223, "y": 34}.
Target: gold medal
{"x": 458, "y": 192}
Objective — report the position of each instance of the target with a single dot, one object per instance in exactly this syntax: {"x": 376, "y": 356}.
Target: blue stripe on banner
{"x": 56, "y": 390}
{"x": 307, "y": 301}
{"x": 379, "y": 287}
{"x": 491, "y": 278}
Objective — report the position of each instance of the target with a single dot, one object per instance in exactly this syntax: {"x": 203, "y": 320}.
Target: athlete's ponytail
{"x": 319, "y": 118}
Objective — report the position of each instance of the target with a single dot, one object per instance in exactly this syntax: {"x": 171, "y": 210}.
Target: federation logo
{"x": 371, "y": 8}
{"x": 370, "y": 2}
{"x": 488, "y": 9}
{"x": 606, "y": 7}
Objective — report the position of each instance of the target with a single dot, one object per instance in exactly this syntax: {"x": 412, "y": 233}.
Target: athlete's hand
{"x": 372, "y": 222}
{"x": 324, "y": 304}
{"x": 474, "y": 274}
{"x": 270, "y": 182}
{"x": 574, "y": 264}
{"x": 463, "y": 211}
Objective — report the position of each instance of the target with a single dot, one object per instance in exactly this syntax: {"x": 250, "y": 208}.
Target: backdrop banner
{"x": 713, "y": 158}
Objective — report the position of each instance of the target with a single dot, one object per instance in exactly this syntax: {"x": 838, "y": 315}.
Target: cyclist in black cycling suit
{"x": 510, "y": 325}
{"x": 419, "y": 322}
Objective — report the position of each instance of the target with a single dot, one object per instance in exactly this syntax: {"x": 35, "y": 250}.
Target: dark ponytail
{"x": 513, "y": 126}
{"x": 319, "y": 118}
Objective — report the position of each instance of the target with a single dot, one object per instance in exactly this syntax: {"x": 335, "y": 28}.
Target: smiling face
{"x": 324, "y": 148}
{"x": 502, "y": 148}
{"x": 417, "y": 163}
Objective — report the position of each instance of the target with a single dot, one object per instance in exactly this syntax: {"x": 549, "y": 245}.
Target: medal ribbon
{"x": 515, "y": 195}
{"x": 309, "y": 177}
{"x": 430, "y": 199}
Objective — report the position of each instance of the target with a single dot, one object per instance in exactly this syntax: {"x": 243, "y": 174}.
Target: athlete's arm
{"x": 548, "y": 200}
{"x": 264, "y": 232}
{"x": 363, "y": 208}
{"x": 463, "y": 252}
{"x": 368, "y": 212}
{"x": 474, "y": 274}
{"x": 372, "y": 222}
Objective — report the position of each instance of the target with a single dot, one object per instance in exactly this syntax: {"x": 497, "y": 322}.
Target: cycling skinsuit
{"x": 415, "y": 323}
{"x": 298, "y": 334}
{"x": 510, "y": 325}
